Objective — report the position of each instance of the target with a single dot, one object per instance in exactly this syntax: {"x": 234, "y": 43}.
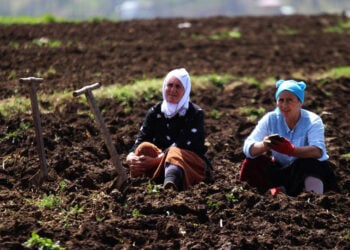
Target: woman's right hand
{"x": 259, "y": 148}
{"x": 141, "y": 164}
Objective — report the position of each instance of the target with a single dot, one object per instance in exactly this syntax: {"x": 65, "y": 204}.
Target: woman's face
{"x": 289, "y": 104}
{"x": 174, "y": 90}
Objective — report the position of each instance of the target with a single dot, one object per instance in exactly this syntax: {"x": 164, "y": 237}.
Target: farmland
{"x": 234, "y": 63}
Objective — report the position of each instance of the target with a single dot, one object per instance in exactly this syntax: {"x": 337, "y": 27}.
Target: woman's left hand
{"x": 283, "y": 147}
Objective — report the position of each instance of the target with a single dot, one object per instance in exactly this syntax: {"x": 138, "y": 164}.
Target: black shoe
{"x": 170, "y": 185}
{"x": 173, "y": 180}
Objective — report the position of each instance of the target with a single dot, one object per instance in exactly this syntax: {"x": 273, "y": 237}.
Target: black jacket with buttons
{"x": 186, "y": 132}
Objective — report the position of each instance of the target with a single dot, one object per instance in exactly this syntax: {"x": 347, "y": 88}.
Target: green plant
{"x": 136, "y": 213}
{"x": 14, "y": 45}
{"x": 97, "y": 19}
{"x": 45, "y": 42}
{"x": 12, "y": 75}
{"x": 49, "y": 201}
{"x": 75, "y": 210}
{"x": 99, "y": 219}
{"x": 49, "y": 72}
{"x": 219, "y": 80}
{"x": 347, "y": 155}
{"x": 252, "y": 81}
{"x": 195, "y": 225}
{"x": 62, "y": 185}
{"x": 333, "y": 29}
{"x": 333, "y": 73}
{"x": 270, "y": 81}
{"x": 151, "y": 189}
{"x": 42, "y": 243}
{"x": 341, "y": 27}
{"x": 212, "y": 204}
{"x": 341, "y": 72}
{"x": 231, "y": 197}
{"x": 234, "y": 33}
{"x": 216, "y": 114}
{"x": 252, "y": 112}
{"x": 345, "y": 24}
{"x": 151, "y": 93}
{"x": 347, "y": 236}
{"x": 13, "y": 135}
{"x": 48, "y": 18}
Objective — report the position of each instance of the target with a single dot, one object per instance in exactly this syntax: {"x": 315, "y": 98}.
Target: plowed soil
{"x": 89, "y": 212}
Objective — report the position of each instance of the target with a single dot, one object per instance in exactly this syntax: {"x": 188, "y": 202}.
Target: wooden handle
{"x": 86, "y": 88}
{"x": 31, "y": 80}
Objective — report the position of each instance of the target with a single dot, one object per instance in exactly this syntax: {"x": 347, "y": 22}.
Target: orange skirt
{"x": 192, "y": 165}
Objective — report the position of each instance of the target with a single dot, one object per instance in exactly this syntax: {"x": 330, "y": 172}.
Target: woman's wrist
{"x": 131, "y": 154}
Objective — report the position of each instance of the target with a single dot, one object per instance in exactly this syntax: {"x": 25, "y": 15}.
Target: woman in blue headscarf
{"x": 286, "y": 151}
{"x": 170, "y": 145}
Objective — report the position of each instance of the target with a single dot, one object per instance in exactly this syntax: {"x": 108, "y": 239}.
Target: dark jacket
{"x": 186, "y": 132}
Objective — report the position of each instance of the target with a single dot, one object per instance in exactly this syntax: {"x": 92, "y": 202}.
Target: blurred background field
{"x": 149, "y": 9}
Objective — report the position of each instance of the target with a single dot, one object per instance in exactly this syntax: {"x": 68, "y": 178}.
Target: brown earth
{"x": 90, "y": 213}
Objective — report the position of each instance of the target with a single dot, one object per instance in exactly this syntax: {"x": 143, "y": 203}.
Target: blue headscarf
{"x": 297, "y": 88}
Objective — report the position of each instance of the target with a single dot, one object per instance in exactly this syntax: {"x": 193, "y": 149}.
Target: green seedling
{"x": 347, "y": 236}
{"x": 12, "y": 75}
{"x": 333, "y": 29}
{"x": 231, "y": 197}
{"x": 195, "y": 225}
{"x": 341, "y": 72}
{"x": 216, "y": 114}
{"x": 45, "y": 42}
{"x": 252, "y": 112}
{"x": 49, "y": 201}
{"x": 340, "y": 28}
{"x": 252, "y": 81}
{"x": 13, "y": 135}
{"x": 41, "y": 243}
{"x": 334, "y": 73}
{"x": 48, "y": 18}
{"x": 63, "y": 185}
{"x": 151, "y": 189}
{"x": 99, "y": 219}
{"x": 75, "y": 210}
{"x": 234, "y": 33}
{"x": 212, "y": 204}
{"x": 345, "y": 24}
{"x": 49, "y": 72}
{"x": 136, "y": 213}
{"x": 347, "y": 156}
{"x": 15, "y": 45}
{"x": 219, "y": 80}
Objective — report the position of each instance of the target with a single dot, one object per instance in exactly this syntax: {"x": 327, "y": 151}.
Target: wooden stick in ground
{"x": 33, "y": 81}
{"x": 87, "y": 90}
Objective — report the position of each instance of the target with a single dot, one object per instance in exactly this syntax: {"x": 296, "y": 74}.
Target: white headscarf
{"x": 170, "y": 109}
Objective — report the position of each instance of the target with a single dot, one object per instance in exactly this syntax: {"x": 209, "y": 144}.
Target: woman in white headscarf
{"x": 170, "y": 145}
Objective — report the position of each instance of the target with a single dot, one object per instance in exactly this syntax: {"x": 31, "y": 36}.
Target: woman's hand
{"x": 279, "y": 144}
{"x": 259, "y": 148}
{"x": 139, "y": 165}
